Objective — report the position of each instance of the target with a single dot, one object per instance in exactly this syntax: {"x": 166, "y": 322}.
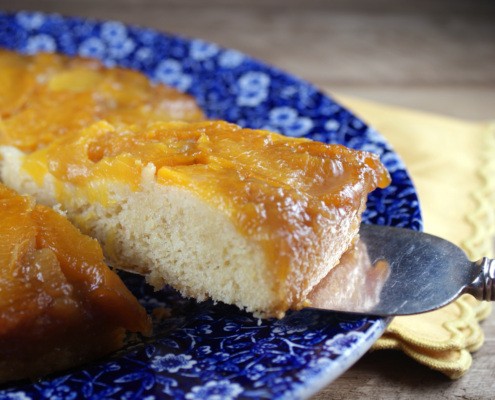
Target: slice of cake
{"x": 60, "y": 305}
{"x": 242, "y": 216}
{"x": 48, "y": 95}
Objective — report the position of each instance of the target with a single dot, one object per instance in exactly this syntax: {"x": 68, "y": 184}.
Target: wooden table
{"x": 436, "y": 56}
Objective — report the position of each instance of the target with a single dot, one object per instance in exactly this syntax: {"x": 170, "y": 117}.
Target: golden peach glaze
{"x": 56, "y": 294}
{"x": 276, "y": 190}
{"x": 44, "y": 96}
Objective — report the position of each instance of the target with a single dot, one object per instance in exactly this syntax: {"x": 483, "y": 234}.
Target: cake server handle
{"x": 483, "y": 287}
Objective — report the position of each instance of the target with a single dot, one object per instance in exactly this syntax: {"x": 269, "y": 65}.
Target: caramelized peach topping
{"x": 48, "y": 95}
{"x": 60, "y": 305}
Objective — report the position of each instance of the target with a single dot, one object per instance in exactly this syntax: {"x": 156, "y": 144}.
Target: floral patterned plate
{"x": 206, "y": 351}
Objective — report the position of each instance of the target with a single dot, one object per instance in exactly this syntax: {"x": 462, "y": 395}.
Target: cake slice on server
{"x": 246, "y": 217}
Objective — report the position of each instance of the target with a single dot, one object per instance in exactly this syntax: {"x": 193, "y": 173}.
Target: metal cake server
{"x": 398, "y": 271}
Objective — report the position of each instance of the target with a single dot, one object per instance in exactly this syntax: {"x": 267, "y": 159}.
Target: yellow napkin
{"x": 452, "y": 163}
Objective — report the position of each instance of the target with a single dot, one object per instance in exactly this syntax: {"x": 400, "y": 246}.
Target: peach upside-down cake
{"x": 60, "y": 305}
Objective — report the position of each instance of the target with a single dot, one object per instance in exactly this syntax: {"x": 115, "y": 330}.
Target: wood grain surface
{"x": 436, "y": 56}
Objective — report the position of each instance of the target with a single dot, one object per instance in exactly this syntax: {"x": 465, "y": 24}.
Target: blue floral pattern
{"x": 200, "y": 50}
{"x": 253, "y": 88}
{"x": 172, "y": 362}
{"x": 288, "y": 121}
{"x": 215, "y": 390}
{"x": 170, "y": 73}
{"x": 207, "y": 351}
{"x": 40, "y": 43}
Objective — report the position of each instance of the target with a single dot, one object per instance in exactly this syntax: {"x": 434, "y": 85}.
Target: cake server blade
{"x": 396, "y": 271}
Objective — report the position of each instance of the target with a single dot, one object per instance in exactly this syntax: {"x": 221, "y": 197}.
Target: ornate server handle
{"x": 483, "y": 287}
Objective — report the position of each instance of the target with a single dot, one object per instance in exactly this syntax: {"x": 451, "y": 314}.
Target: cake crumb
{"x": 160, "y": 313}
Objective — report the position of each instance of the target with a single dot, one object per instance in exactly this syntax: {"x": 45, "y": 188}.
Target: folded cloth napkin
{"x": 452, "y": 164}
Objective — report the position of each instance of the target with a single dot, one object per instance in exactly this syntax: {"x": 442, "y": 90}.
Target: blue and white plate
{"x": 205, "y": 351}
